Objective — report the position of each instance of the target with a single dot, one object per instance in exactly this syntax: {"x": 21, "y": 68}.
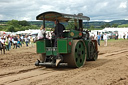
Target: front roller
{"x": 78, "y": 54}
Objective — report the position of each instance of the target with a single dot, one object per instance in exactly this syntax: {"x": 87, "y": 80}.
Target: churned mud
{"x": 17, "y": 68}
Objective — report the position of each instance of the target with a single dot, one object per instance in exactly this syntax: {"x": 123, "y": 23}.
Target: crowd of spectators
{"x": 105, "y": 37}
{"x": 15, "y": 41}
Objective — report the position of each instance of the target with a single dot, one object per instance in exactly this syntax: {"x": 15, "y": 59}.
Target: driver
{"x": 58, "y": 31}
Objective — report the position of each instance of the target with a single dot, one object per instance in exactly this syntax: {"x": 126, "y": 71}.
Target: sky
{"x": 97, "y": 10}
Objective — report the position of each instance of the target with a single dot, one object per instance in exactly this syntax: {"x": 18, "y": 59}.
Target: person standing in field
{"x": 124, "y": 36}
{"x": 98, "y": 38}
{"x": 26, "y": 40}
{"x": 116, "y": 36}
{"x": 15, "y": 39}
{"x": 94, "y": 37}
{"x": 7, "y": 43}
{"x": 105, "y": 39}
{"x": 31, "y": 42}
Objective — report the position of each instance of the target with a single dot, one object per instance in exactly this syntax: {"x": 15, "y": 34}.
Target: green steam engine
{"x": 73, "y": 50}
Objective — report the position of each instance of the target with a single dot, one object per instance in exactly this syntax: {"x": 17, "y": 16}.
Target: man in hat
{"x": 58, "y": 31}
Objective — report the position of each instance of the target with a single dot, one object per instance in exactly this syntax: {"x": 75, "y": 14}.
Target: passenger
{"x": 41, "y": 32}
{"x": 48, "y": 36}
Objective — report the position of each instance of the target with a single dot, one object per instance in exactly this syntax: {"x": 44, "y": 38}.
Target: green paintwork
{"x": 55, "y": 52}
{"x": 79, "y": 54}
{"x": 76, "y": 34}
{"x": 51, "y": 51}
{"x": 40, "y": 46}
{"x": 63, "y": 45}
{"x": 69, "y": 46}
{"x": 66, "y": 34}
{"x": 48, "y": 43}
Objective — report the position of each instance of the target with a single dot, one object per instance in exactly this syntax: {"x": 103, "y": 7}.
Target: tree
{"x": 102, "y": 26}
{"x": 11, "y": 29}
{"x": 15, "y": 23}
{"x": 107, "y": 25}
{"x": 23, "y": 23}
{"x": 70, "y": 24}
{"x": 34, "y": 27}
{"x": 92, "y": 27}
{"x": 114, "y": 25}
{"x": 123, "y": 25}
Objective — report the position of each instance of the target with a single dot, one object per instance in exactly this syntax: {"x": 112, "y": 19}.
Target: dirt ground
{"x": 17, "y": 68}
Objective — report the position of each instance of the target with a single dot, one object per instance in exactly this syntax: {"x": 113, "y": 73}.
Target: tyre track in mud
{"x": 113, "y": 52}
{"x": 74, "y": 74}
{"x": 17, "y": 72}
{"x": 53, "y": 75}
{"x": 34, "y": 68}
{"x": 25, "y": 75}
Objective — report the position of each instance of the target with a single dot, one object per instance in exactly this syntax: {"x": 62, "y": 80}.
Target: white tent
{"x": 121, "y": 31}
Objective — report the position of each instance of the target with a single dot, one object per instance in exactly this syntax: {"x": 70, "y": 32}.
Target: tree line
{"x": 15, "y": 25}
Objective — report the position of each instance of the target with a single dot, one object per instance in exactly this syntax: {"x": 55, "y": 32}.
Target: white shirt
{"x": 105, "y": 37}
{"x": 2, "y": 40}
{"x": 22, "y": 37}
{"x": 40, "y": 34}
{"x": 26, "y": 39}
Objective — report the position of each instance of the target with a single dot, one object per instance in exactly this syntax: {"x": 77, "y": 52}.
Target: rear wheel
{"x": 77, "y": 57}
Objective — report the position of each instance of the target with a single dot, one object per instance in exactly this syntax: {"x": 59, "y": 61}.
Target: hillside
{"x": 96, "y": 24}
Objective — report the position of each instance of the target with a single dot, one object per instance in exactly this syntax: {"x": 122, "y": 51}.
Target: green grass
{"x": 113, "y": 40}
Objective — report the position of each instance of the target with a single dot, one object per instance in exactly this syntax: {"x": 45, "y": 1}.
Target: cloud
{"x": 95, "y": 9}
{"x": 123, "y": 5}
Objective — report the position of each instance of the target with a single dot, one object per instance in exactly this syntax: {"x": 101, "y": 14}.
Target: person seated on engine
{"x": 58, "y": 29}
{"x": 41, "y": 33}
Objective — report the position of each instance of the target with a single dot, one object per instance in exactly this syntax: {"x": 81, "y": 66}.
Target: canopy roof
{"x": 52, "y": 16}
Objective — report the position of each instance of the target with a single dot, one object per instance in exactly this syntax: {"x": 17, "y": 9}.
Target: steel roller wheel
{"x": 77, "y": 57}
{"x": 94, "y": 53}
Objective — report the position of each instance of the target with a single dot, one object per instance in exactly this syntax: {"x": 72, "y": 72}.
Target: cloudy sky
{"x": 97, "y": 10}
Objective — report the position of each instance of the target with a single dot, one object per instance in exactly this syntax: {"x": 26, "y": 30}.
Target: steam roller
{"x": 72, "y": 49}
